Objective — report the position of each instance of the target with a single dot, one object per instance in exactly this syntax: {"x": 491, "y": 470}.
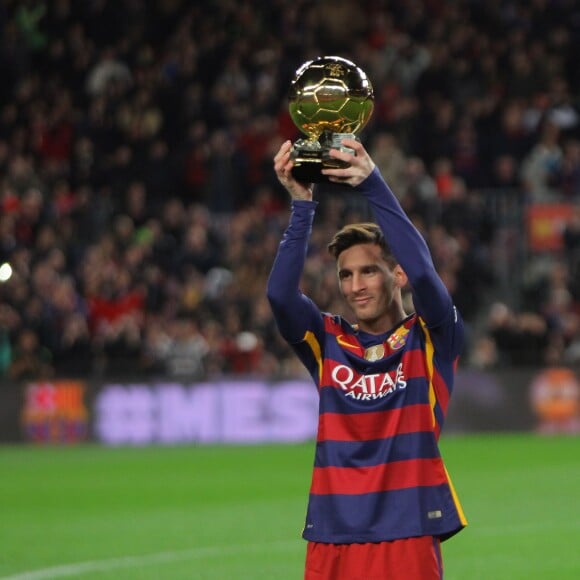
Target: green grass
{"x": 237, "y": 512}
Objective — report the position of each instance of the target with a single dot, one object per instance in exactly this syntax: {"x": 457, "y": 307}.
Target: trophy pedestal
{"x": 311, "y": 156}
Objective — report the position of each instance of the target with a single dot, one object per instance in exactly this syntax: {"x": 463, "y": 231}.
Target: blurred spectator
{"x": 508, "y": 133}
{"x": 562, "y": 110}
{"x": 109, "y": 70}
{"x": 505, "y": 173}
{"x": 390, "y": 159}
{"x": 571, "y": 238}
{"x": 30, "y": 360}
{"x": 466, "y": 154}
{"x": 9, "y": 322}
{"x": 177, "y": 349}
{"x": 5, "y": 351}
{"x": 243, "y": 353}
{"x": 521, "y": 338}
{"x": 419, "y": 192}
{"x": 542, "y": 163}
{"x": 483, "y": 354}
{"x": 566, "y": 178}
{"x": 74, "y": 355}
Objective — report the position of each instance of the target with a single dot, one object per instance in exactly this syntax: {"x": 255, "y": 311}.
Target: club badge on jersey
{"x": 398, "y": 339}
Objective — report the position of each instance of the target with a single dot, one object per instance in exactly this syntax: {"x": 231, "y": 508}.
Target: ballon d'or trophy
{"x": 330, "y": 98}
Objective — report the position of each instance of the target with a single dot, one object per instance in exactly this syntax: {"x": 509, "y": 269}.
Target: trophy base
{"x": 310, "y": 157}
{"x": 308, "y": 171}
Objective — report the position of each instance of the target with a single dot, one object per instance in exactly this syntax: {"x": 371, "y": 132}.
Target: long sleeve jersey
{"x": 378, "y": 473}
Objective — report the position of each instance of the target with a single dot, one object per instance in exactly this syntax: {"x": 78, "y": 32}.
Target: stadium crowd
{"x": 138, "y": 206}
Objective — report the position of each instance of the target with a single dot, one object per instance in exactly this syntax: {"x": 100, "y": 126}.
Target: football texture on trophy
{"x": 330, "y": 98}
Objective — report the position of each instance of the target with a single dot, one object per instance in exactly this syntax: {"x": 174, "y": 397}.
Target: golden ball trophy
{"x": 330, "y": 98}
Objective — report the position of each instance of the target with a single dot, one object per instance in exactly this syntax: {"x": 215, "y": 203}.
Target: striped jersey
{"x": 378, "y": 473}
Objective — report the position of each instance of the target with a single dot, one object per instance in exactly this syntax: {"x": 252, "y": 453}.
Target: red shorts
{"x": 407, "y": 559}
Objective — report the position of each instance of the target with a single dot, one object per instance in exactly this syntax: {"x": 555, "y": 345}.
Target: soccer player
{"x": 381, "y": 500}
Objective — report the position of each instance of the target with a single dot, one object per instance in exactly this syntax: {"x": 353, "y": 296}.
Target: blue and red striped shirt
{"x": 378, "y": 473}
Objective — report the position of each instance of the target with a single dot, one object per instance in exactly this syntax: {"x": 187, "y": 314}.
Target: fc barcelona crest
{"x": 398, "y": 339}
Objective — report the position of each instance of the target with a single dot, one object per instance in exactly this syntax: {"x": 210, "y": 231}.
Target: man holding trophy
{"x": 381, "y": 500}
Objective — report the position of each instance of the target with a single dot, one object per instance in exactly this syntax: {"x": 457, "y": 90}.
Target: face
{"x": 371, "y": 287}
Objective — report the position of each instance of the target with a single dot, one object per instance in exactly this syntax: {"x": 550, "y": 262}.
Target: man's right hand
{"x": 359, "y": 165}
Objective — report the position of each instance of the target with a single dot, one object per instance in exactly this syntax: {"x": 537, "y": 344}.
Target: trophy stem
{"x": 311, "y": 156}
{"x": 331, "y": 140}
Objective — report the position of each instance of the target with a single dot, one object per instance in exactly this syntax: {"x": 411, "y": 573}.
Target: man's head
{"x": 363, "y": 233}
{"x": 369, "y": 276}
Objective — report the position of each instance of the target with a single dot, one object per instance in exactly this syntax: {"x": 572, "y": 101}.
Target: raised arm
{"x": 430, "y": 296}
{"x": 294, "y": 312}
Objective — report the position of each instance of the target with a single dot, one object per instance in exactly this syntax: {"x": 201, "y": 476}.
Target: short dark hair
{"x": 362, "y": 233}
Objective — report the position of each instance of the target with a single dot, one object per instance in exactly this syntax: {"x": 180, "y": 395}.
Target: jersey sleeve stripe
{"x": 429, "y": 357}
{"x": 456, "y": 501}
{"x": 312, "y": 341}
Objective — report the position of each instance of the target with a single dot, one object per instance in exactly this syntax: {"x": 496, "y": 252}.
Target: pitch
{"x": 236, "y": 512}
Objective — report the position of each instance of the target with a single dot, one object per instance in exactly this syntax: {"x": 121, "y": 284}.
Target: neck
{"x": 384, "y": 323}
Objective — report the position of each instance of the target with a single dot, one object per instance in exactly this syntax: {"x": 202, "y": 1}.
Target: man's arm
{"x": 430, "y": 296}
{"x": 294, "y": 312}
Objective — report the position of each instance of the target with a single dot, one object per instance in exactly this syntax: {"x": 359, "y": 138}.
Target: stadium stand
{"x": 140, "y": 213}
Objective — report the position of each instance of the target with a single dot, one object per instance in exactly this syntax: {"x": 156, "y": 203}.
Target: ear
{"x": 401, "y": 279}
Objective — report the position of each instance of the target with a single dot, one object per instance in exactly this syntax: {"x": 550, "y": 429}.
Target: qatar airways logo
{"x": 368, "y": 387}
